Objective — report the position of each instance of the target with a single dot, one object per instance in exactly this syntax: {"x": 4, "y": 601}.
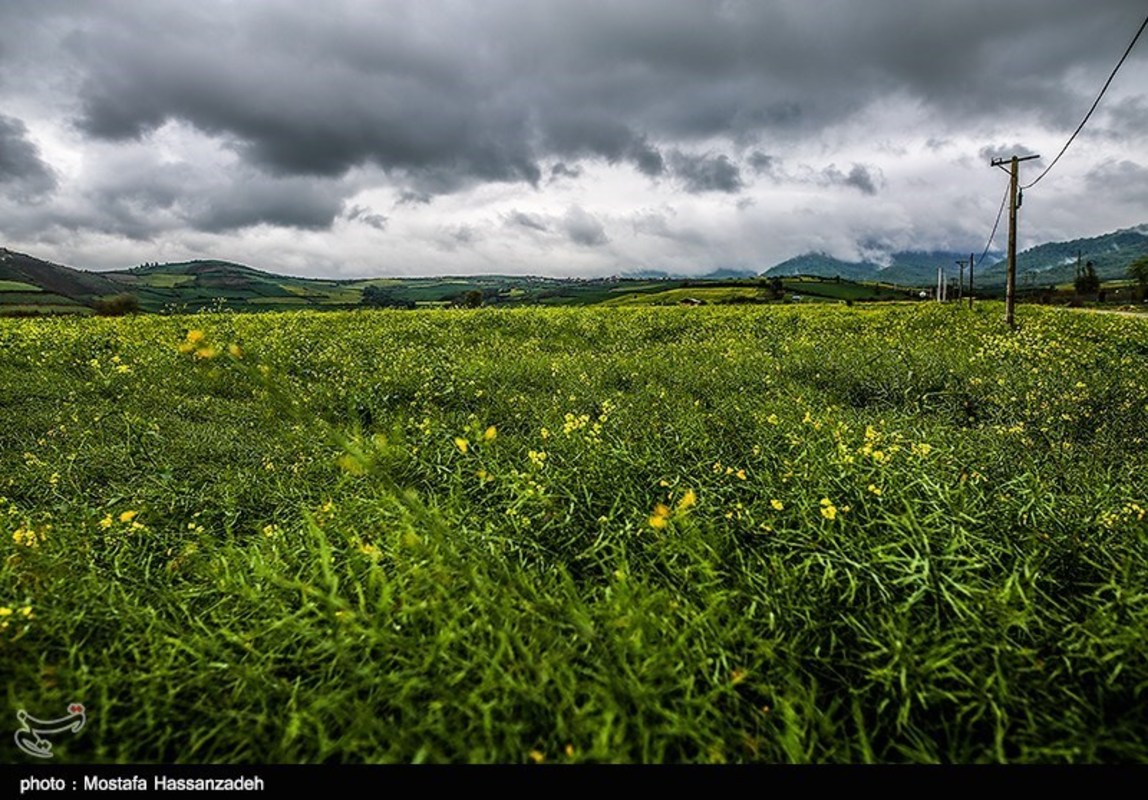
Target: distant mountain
{"x": 909, "y": 268}
{"x": 646, "y": 274}
{"x": 1050, "y": 263}
{"x": 1055, "y": 262}
{"x": 824, "y": 266}
{"x": 728, "y": 273}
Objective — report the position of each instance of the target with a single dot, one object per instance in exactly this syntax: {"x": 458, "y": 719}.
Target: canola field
{"x": 756, "y": 534}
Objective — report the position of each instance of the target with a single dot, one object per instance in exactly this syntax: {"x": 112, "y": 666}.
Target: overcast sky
{"x": 366, "y": 137}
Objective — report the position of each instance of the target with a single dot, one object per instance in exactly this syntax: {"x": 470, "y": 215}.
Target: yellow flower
{"x": 741, "y": 474}
{"x": 688, "y": 501}
{"x": 875, "y": 489}
{"x": 537, "y": 757}
{"x": 462, "y": 444}
{"x": 5, "y": 611}
{"x": 773, "y": 420}
{"x": 661, "y": 516}
{"x": 194, "y": 336}
{"x": 371, "y": 551}
{"x": 29, "y": 537}
{"x": 128, "y": 516}
{"x": 777, "y": 505}
{"x": 490, "y": 433}
{"x": 26, "y": 612}
{"x": 235, "y": 351}
{"x": 107, "y": 521}
{"x": 828, "y": 510}
{"x": 207, "y": 353}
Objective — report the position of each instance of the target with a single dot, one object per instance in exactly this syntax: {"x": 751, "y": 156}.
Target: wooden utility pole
{"x": 970, "y": 280}
{"x": 1013, "y": 205}
{"x": 961, "y": 280}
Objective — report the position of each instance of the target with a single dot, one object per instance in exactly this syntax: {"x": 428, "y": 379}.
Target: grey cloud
{"x": 1124, "y": 181}
{"x": 583, "y": 228}
{"x": 454, "y": 238}
{"x": 706, "y": 173}
{"x": 483, "y": 94}
{"x": 524, "y": 220}
{"x": 410, "y": 197}
{"x": 860, "y": 177}
{"x": 659, "y": 224}
{"x": 561, "y": 170}
{"x": 290, "y": 203}
{"x": 142, "y": 197}
{"x": 428, "y": 103}
{"x": 763, "y": 164}
{"x": 367, "y": 217}
{"x": 23, "y": 174}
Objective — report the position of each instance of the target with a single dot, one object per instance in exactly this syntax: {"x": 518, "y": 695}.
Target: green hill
{"x": 1055, "y": 262}
{"x": 30, "y": 286}
{"x": 908, "y": 268}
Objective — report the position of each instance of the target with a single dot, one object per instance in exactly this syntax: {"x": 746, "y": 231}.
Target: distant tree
{"x": 380, "y": 297}
{"x": 117, "y": 305}
{"x": 1087, "y": 282}
{"x": 472, "y": 299}
{"x": 1138, "y": 271}
{"x": 776, "y": 287}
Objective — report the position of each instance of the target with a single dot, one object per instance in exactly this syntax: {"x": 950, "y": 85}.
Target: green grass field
{"x": 751, "y": 534}
{"x": 18, "y": 286}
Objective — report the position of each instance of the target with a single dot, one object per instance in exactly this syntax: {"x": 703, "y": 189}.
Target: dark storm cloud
{"x": 483, "y": 93}
{"x": 288, "y": 203}
{"x": 23, "y": 174}
{"x": 315, "y": 104}
{"x": 583, "y": 228}
{"x": 706, "y": 173}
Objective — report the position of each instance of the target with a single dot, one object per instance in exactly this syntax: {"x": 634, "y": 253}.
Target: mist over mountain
{"x": 1049, "y": 263}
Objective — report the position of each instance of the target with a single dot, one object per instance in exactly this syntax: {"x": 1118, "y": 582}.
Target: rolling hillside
{"x": 32, "y": 286}
{"x": 1050, "y": 263}
{"x": 1055, "y": 262}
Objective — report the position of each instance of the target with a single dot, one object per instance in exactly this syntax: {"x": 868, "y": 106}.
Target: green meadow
{"x": 800, "y": 534}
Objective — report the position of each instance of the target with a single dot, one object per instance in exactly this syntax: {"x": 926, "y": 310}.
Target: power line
{"x": 1104, "y": 89}
{"x": 1000, "y": 211}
